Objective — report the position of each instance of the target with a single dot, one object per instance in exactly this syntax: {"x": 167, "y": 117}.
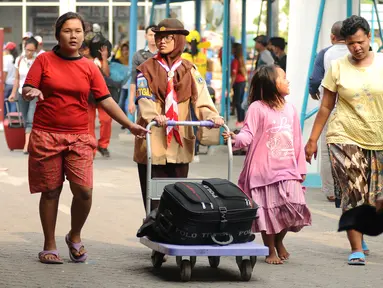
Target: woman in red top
{"x": 238, "y": 81}
{"x": 60, "y": 144}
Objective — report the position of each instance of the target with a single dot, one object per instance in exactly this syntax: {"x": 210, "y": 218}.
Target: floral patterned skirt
{"x": 358, "y": 173}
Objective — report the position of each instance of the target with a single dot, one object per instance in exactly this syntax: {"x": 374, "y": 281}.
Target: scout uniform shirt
{"x": 150, "y": 107}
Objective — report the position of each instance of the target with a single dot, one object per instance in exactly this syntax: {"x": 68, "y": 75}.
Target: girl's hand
{"x": 218, "y": 122}
{"x": 161, "y": 120}
{"x": 226, "y": 135}
{"x": 303, "y": 177}
{"x": 310, "y": 150}
{"x": 32, "y": 94}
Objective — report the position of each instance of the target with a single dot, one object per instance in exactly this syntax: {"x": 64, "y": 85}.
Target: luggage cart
{"x": 155, "y": 187}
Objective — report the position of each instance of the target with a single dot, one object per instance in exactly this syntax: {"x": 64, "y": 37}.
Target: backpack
{"x": 119, "y": 73}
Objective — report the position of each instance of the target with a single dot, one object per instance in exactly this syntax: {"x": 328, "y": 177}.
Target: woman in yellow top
{"x": 355, "y": 134}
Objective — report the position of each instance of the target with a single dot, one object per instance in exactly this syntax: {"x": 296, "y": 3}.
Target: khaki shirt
{"x": 149, "y": 108}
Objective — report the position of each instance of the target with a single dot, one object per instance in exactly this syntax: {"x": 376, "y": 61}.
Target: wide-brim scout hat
{"x": 171, "y": 25}
{"x": 363, "y": 219}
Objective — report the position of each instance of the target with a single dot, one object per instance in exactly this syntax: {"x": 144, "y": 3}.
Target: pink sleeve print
{"x": 298, "y": 145}
{"x": 245, "y": 137}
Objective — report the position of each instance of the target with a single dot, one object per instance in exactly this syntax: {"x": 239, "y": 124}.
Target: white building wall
{"x": 302, "y": 26}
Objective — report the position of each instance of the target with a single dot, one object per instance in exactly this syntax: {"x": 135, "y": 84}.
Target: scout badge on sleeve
{"x": 143, "y": 90}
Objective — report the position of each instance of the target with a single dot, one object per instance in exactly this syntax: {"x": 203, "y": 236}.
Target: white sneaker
{"x": 196, "y": 159}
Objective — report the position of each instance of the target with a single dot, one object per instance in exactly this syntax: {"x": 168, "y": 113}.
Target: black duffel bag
{"x": 214, "y": 212}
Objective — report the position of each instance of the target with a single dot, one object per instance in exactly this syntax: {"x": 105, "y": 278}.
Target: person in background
{"x": 124, "y": 60}
{"x": 60, "y": 142}
{"x": 238, "y": 81}
{"x": 278, "y": 45}
{"x": 264, "y": 56}
{"x": 138, "y": 58}
{"x": 9, "y": 72}
{"x": 101, "y": 61}
{"x": 23, "y": 64}
{"x": 40, "y": 49}
{"x": 123, "y": 57}
{"x": 26, "y": 36}
{"x": 193, "y": 53}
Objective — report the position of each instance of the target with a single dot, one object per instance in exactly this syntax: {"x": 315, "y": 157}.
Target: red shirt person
{"x": 60, "y": 144}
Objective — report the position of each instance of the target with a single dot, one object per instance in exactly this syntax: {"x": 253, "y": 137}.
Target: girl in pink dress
{"x": 274, "y": 167}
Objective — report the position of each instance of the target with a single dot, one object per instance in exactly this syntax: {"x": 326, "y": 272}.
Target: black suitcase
{"x": 214, "y": 212}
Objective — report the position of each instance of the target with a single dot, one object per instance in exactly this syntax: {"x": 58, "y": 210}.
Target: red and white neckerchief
{"x": 171, "y": 103}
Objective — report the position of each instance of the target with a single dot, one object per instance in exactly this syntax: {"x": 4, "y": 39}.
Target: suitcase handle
{"x": 6, "y": 101}
{"x": 222, "y": 243}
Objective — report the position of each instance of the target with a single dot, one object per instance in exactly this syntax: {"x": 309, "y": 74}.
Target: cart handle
{"x": 205, "y": 123}
{"x": 181, "y": 123}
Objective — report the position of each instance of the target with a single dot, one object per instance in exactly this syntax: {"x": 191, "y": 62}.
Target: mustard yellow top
{"x": 200, "y": 61}
{"x": 358, "y": 118}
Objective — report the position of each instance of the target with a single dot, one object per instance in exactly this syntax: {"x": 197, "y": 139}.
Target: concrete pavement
{"x": 116, "y": 259}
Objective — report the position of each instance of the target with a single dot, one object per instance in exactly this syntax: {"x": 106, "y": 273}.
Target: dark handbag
{"x": 215, "y": 211}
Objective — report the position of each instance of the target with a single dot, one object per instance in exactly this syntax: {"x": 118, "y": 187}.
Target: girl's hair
{"x": 263, "y": 87}
{"x": 65, "y": 17}
{"x": 238, "y": 54}
{"x": 31, "y": 41}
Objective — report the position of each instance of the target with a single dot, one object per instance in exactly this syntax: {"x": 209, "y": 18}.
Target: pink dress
{"x": 273, "y": 167}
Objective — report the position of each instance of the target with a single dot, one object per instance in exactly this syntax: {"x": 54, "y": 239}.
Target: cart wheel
{"x": 214, "y": 261}
{"x": 253, "y": 260}
{"x": 238, "y": 259}
{"x": 178, "y": 261}
{"x": 246, "y": 270}
{"x": 193, "y": 260}
{"x": 186, "y": 269}
{"x": 157, "y": 259}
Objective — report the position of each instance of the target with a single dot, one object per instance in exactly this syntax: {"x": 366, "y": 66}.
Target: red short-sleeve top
{"x": 65, "y": 84}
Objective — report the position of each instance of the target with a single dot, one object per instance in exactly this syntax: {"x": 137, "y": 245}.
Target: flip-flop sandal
{"x": 365, "y": 248}
{"x": 77, "y": 247}
{"x": 359, "y": 256}
{"x": 44, "y": 260}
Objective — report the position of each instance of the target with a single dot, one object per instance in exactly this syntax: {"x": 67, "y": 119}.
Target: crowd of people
{"x": 59, "y": 92}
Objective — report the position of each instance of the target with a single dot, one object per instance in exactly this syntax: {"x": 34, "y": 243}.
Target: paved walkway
{"x": 116, "y": 259}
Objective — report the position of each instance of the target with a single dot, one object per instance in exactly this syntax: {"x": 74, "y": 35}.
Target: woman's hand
{"x": 132, "y": 108}
{"x": 218, "y": 122}
{"x": 161, "y": 120}
{"x": 303, "y": 177}
{"x": 32, "y": 94}
{"x": 310, "y": 150}
{"x": 104, "y": 52}
{"x": 138, "y": 130}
